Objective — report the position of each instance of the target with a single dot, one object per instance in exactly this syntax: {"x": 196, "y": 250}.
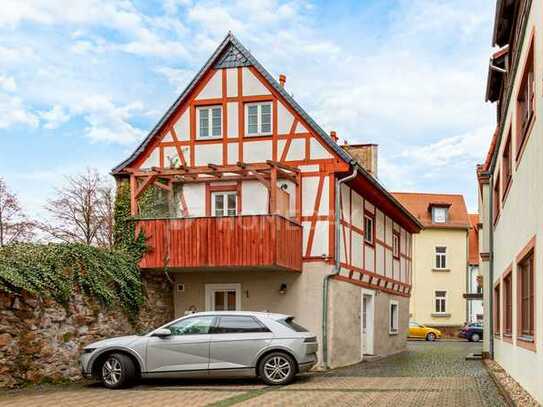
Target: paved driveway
{"x": 428, "y": 374}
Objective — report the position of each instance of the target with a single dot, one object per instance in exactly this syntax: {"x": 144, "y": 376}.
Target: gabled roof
{"x": 230, "y": 54}
{"x": 419, "y": 204}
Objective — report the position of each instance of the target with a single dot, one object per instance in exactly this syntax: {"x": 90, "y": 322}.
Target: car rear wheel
{"x": 431, "y": 337}
{"x": 277, "y": 368}
{"x": 117, "y": 371}
{"x": 475, "y": 337}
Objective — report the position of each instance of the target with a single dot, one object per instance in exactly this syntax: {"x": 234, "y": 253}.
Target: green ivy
{"x": 57, "y": 271}
{"x": 124, "y": 234}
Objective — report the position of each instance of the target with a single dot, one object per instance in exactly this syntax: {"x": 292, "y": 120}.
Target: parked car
{"x": 420, "y": 331}
{"x": 472, "y": 332}
{"x": 228, "y": 344}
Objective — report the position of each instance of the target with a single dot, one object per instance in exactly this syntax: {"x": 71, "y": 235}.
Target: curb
{"x": 503, "y": 391}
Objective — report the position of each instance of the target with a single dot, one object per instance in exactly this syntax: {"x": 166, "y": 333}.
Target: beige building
{"x": 511, "y": 196}
{"x": 440, "y": 260}
{"x": 248, "y": 204}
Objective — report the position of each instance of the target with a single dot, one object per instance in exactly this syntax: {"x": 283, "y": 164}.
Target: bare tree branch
{"x": 14, "y": 226}
{"x": 82, "y": 211}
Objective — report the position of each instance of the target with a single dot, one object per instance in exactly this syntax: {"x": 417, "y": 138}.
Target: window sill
{"x": 507, "y": 337}
{"x": 440, "y": 315}
{"x": 392, "y": 333}
{"x": 208, "y": 138}
{"x": 441, "y": 270}
{"x": 527, "y": 343}
{"x": 506, "y": 190}
{"x": 371, "y": 244}
{"x": 258, "y": 135}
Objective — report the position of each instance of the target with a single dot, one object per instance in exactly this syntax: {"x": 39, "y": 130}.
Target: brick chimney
{"x": 365, "y": 155}
{"x": 282, "y": 80}
{"x": 334, "y": 136}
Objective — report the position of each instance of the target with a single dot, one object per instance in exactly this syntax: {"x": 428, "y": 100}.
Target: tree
{"x": 82, "y": 211}
{"x": 14, "y": 226}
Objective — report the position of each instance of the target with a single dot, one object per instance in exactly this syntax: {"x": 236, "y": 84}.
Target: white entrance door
{"x": 367, "y": 324}
{"x": 223, "y": 297}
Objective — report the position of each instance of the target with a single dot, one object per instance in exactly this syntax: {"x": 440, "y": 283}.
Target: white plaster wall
{"x": 317, "y": 151}
{"x": 170, "y": 153}
{"x": 153, "y": 160}
{"x": 369, "y": 253}
{"x": 182, "y": 127}
{"x": 357, "y": 256}
{"x": 233, "y": 153}
{"x": 521, "y": 218}
{"x": 232, "y": 82}
{"x": 251, "y": 85}
{"x": 320, "y": 240}
{"x": 254, "y": 198}
{"x": 208, "y": 154}
{"x": 296, "y": 150}
{"x": 284, "y": 119}
{"x": 213, "y": 89}
{"x": 257, "y": 151}
{"x": 195, "y": 198}
{"x": 232, "y": 119}
{"x": 309, "y": 193}
{"x": 300, "y": 128}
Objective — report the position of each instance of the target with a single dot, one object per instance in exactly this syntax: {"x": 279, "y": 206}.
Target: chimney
{"x": 282, "y": 80}
{"x": 365, "y": 155}
{"x": 334, "y": 135}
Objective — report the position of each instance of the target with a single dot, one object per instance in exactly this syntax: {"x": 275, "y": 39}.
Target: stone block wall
{"x": 40, "y": 340}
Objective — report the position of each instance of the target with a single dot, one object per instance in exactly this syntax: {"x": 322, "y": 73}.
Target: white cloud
{"x": 13, "y": 112}
{"x": 55, "y": 117}
{"x": 177, "y": 77}
{"x": 8, "y": 83}
{"x": 107, "y": 122}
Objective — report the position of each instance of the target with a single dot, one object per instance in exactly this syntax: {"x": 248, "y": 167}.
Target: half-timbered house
{"x": 248, "y": 204}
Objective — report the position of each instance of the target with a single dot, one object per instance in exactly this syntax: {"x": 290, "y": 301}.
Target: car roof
{"x": 269, "y": 315}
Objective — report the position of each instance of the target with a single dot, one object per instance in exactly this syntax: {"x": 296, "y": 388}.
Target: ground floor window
{"x": 526, "y": 297}
{"x": 508, "y": 304}
{"x": 497, "y": 308}
{"x": 440, "y": 300}
{"x": 393, "y": 313}
{"x": 223, "y": 297}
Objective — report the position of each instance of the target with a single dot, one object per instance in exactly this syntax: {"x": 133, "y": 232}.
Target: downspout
{"x": 337, "y": 266}
{"x": 491, "y": 266}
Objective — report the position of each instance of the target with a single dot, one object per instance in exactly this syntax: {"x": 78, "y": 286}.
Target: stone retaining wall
{"x": 40, "y": 340}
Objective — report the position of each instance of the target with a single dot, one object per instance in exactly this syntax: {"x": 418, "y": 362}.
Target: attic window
{"x": 259, "y": 119}
{"x": 440, "y": 214}
{"x": 209, "y": 122}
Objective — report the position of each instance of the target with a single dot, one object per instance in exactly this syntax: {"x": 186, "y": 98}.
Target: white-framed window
{"x": 439, "y": 214}
{"x": 224, "y": 203}
{"x": 258, "y": 119}
{"x": 369, "y": 229}
{"x": 441, "y": 257}
{"x": 394, "y": 310}
{"x": 396, "y": 245}
{"x": 440, "y": 301}
{"x": 223, "y": 297}
{"x": 209, "y": 120}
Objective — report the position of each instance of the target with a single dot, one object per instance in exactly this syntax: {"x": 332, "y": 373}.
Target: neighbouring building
{"x": 511, "y": 196}
{"x": 474, "y": 295}
{"x": 440, "y": 260}
{"x": 248, "y": 204}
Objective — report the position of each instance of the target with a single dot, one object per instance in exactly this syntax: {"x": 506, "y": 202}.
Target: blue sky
{"x": 82, "y": 82}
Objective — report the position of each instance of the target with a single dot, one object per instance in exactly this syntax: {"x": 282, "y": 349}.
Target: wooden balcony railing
{"x": 268, "y": 242}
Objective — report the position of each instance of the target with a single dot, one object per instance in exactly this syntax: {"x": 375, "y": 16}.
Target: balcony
{"x": 264, "y": 242}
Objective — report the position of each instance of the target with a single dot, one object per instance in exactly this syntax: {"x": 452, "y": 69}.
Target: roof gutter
{"x": 337, "y": 266}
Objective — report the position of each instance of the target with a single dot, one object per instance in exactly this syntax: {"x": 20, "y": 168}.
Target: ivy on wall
{"x": 57, "y": 271}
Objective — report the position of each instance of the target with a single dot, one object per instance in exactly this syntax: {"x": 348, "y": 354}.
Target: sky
{"x": 82, "y": 82}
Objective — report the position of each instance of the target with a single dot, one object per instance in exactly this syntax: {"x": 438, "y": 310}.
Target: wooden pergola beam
{"x": 150, "y": 179}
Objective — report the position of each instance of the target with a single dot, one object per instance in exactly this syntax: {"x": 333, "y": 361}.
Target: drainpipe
{"x": 337, "y": 266}
{"x": 491, "y": 266}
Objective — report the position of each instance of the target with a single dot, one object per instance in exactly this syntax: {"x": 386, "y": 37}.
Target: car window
{"x": 239, "y": 324}
{"x": 192, "y": 326}
{"x": 289, "y": 323}
{"x": 415, "y": 324}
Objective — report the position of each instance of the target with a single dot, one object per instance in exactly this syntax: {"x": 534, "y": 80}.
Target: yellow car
{"x": 419, "y": 331}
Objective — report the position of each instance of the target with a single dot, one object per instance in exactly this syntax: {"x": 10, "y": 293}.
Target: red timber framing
{"x": 293, "y": 158}
{"x": 387, "y": 278}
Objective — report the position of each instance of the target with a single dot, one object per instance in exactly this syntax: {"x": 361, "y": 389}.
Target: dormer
{"x": 439, "y": 211}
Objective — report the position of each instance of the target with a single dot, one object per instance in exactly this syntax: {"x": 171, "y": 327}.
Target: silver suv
{"x": 206, "y": 344}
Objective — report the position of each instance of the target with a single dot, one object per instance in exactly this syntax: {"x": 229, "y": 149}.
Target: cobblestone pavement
{"x": 428, "y": 374}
